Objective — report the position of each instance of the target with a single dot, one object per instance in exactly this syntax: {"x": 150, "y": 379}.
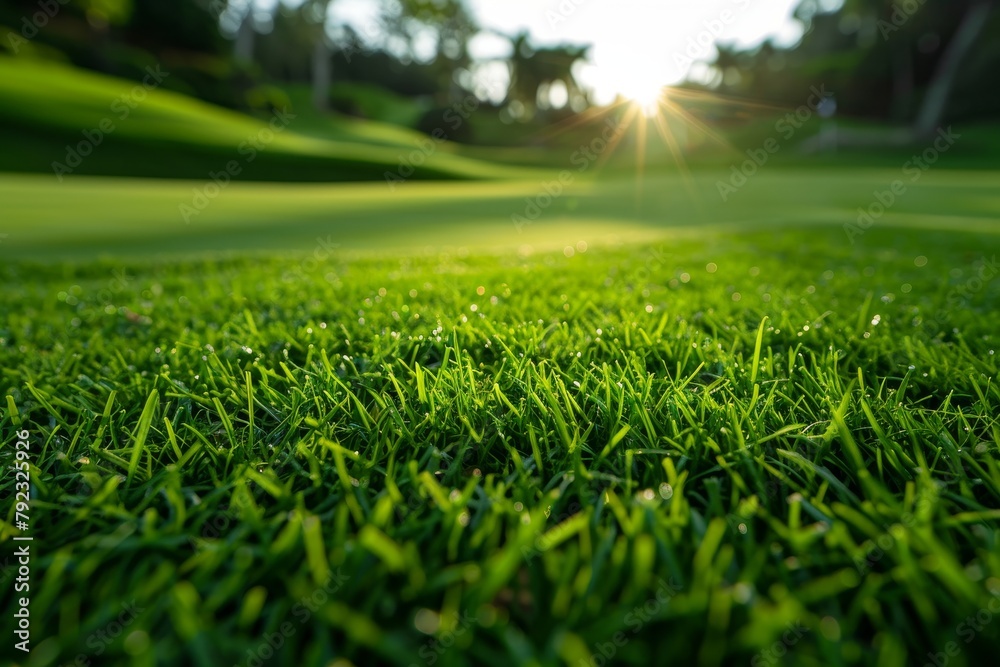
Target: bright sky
{"x": 641, "y": 43}
{"x": 637, "y": 45}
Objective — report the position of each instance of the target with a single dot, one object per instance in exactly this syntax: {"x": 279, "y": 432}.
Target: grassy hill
{"x": 47, "y": 106}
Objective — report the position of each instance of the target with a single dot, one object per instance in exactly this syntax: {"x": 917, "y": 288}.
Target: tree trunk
{"x": 932, "y": 111}
{"x": 243, "y": 48}
{"x": 902, "y": 87}
{"x": 936, "y": 100}
{"x": 321, "y": 74}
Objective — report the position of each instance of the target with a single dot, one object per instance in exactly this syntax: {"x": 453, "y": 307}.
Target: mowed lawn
{"x": 87, "y": 217}
{"x": 343, "y": 425}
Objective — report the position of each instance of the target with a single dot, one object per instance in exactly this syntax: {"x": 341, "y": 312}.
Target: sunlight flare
{"x": 645, "y": 93}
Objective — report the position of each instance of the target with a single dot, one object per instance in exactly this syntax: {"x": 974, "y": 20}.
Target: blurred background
{"x": 502, "y": 82}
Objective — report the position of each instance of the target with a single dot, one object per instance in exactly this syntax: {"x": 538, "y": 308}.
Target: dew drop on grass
{"x": 426, "y": 621}
{"x": 830, "y": 629}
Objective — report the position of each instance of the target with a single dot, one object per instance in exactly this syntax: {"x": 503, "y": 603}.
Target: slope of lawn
{"x": 88, "y": 217}
{"x": 46, "y": 106}
{"x": 756, "y": 445}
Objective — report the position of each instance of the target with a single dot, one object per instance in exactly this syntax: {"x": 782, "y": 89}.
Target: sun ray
{"x": 668, "y": 136}
{"x": 588, "y": 116}
{"x": 630, "y": 116}
{"x": 689, "y": 118}
{"x": 709, "y": 96}
{"x": 640, "y": 160}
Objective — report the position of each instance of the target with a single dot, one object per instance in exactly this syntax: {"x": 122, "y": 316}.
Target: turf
{"x": 84, "y": 218}
{"x": 755, "y": 444}
{"x": 46, "y": 108}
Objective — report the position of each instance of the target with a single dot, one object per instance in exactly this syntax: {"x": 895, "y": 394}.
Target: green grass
{"x": 46, "y": 106}
{"x": 84, "y": 218}
{"x": 506, "y": 456}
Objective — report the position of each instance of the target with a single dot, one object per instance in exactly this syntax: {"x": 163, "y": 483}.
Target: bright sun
{"x": 645, "y": 92}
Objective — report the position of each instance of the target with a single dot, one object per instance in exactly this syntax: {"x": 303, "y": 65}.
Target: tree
{"x": 532, "y": 70}
{"x": 298, "y": 49}
{"x": 451, "y": 27}
{"x": 318, "y": 10}
{"x": 940, "y": 88}
{"x": 896, "y": 62}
